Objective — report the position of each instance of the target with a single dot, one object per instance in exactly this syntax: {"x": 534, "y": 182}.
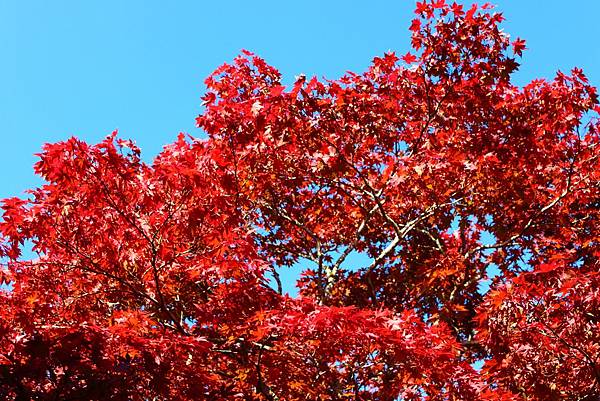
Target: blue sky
{"x": 85, "y": 68}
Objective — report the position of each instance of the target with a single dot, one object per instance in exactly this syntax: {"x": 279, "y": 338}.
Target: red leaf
{"x": 409, "y": 58}
{"x": 471, "y": 13}
{"x": 415, "y": 25}
{"x": 422, "y": 7}
{"x": 276, "y": 90}
{"x": 518, "y": 46}
{"x": 546, "y": 268}
{"x": 439, "y": 4}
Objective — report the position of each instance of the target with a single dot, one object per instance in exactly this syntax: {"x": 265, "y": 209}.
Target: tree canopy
{"x": 161, "y": 281}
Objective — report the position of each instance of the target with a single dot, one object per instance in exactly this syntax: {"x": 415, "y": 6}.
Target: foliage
{"x": 160, "y": 281}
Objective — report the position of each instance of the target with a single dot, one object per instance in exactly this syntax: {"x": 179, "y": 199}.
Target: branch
{"x": 405, "y": 230}
{"x": 261, "y": 386}
{"x": 515, "y": 237}
{"x": 277, "y": 280}
{"x": 332, "y": 271}
{"x": 590, "y": 361}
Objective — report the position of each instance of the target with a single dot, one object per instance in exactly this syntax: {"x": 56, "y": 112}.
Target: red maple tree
{"x": 160, "y": 281}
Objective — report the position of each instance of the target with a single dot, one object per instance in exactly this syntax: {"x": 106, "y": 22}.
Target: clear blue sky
{"x": 84, "y": 68}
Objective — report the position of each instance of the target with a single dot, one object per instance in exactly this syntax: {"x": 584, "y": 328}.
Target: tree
{"x": 160, "y": 281}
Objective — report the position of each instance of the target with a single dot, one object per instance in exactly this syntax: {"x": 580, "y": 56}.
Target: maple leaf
{"x": 409, "y": 58}
{"x": 518, "y": 46}
{"x": 276, "y": 90}
{"x": 415, "y": 25}
{"x": 422, "y": 7}
{"x": 469, "y": 15}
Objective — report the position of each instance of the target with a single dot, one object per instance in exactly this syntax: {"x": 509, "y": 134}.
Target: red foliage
{"x": 157, "y": 281}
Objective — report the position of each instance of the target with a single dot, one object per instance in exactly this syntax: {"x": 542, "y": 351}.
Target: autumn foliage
{"x": 161, "y": 281}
